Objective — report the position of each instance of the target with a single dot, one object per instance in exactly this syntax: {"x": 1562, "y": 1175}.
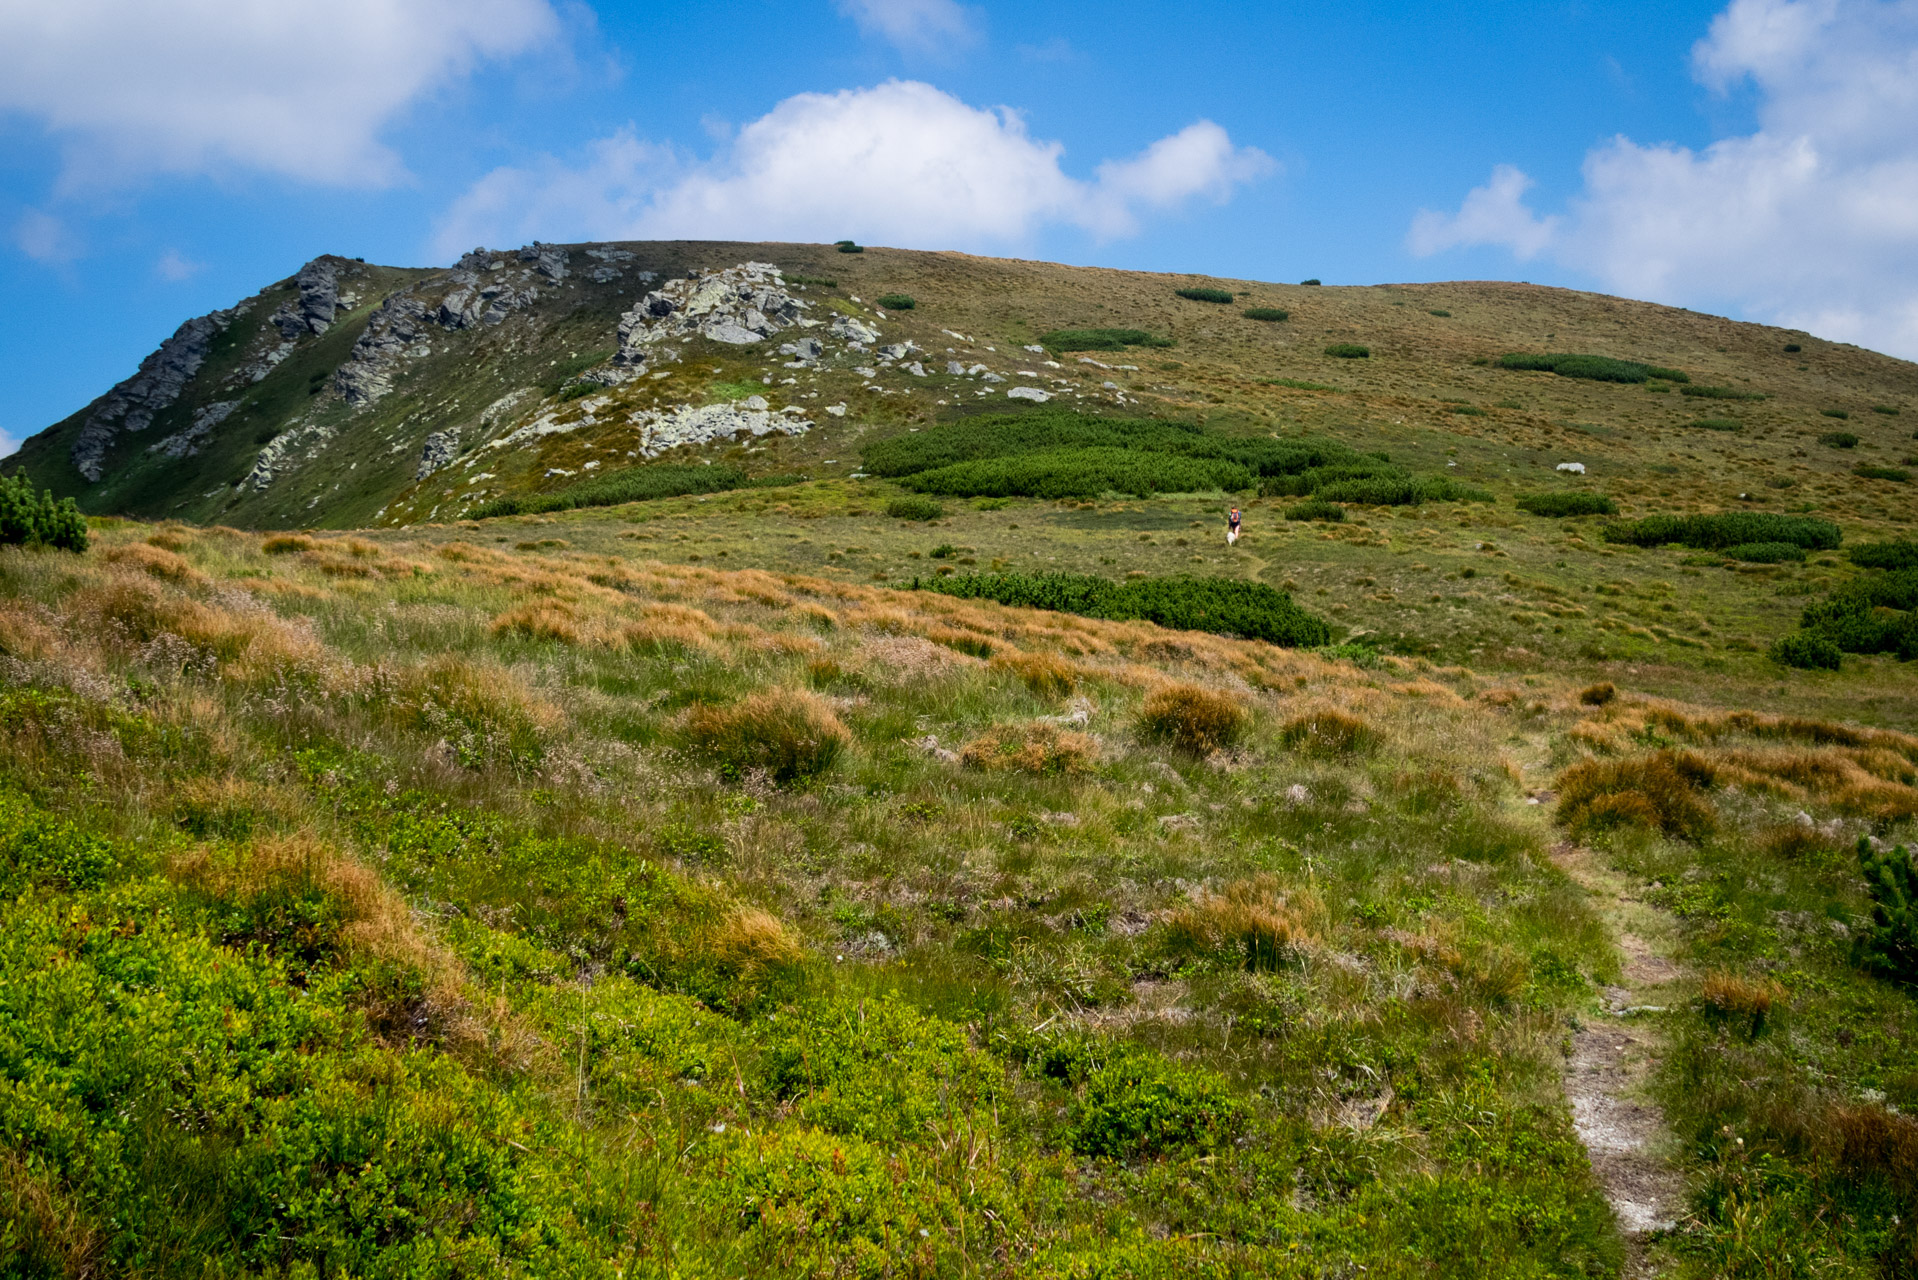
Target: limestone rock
{"x": 739, "y": 306}
{"x": 185, "y": 444}
{"x": 441, "y": 447}
{"x": 1033, "y": 394}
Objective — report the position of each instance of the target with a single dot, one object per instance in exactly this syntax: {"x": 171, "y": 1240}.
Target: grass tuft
{"x": 787, "y": 734}
{"x": 1191, "y": 718}
{"x": 1661, "y": 792}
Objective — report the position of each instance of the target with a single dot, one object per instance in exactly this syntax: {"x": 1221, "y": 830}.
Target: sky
{"x": 160, "y": 160}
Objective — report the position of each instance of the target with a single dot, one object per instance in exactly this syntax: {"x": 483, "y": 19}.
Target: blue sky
{"x": 1758, "y": 158}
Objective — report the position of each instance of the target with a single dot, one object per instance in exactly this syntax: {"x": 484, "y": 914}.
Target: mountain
{"x": 351, "y": 394}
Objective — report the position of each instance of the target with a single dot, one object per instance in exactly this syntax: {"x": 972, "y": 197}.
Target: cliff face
{"x": 354, "y": 394}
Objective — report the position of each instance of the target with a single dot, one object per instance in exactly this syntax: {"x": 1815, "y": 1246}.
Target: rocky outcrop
{"x": 319, "y": 301}
{"x": 483, "y": 288}
{"x": 663, "y": 429}
{"x": 739, "y": 306}
{"x": 132, "y": 405}
{"x": 440, "y": 448}
{"x": 185, "y": 444}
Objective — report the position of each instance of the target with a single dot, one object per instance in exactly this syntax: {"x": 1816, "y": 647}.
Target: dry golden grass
{"x": 1046, "y": 675}
{"x": 1740, "y": 1001}
{"x": 787, "y": 734}
{"x": 1598, "y": 695}
{"x": 1254, "y": 921}
{"x": 547, "y": 620}
{"x": 157, "y": 562}
{"x": 46, "y": 1233}
{"x": 1037, "y": 747}
{"x": 1327, "y": 731}
{"x": 1661, "y": 791}
{"x": 1191, "y": 718}
{"x": 751, "y": 941}
{"x": 1873, "y": 1141}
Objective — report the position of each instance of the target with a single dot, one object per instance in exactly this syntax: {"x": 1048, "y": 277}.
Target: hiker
{"x": 1232, "y": 528}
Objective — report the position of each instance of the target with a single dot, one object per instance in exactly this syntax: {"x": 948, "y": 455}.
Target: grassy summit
{"x": 732, "y": 859}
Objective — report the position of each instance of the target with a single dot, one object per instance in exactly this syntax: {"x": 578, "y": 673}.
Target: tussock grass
{"x": 1662, "y": 792}
{"x": 1328, "y": 731}
{"x": 1191, "y": 718}
{"x": 1038, "y": 748}
{"x": 788, "y": 735}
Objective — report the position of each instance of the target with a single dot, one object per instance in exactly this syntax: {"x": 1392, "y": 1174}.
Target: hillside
{"x": 535, "y": 779}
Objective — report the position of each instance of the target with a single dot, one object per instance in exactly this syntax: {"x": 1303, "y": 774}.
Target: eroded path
{"x": 1607, "y": 1080}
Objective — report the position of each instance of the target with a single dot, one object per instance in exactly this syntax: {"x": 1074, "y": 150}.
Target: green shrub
{"x": 1469, "y": 410}
{"x": 579, "y": 390}
{"x": 1297, "y": 384}
{"x": 847, "y": 246}
{"x": 875, "y": 1069}
{"x": 1885, "y": 555}
{"x": 1793, "y": 348}
{"x": 1348, "y": 351}
{"x": 1137, "y": 1103}
{"x": 1806, "y": 651}
{"x": 38, "y": 848}
{"x": 1316, "y": 510}
{"x": 914, "y": 507}
{"x": 34, "y": 518}
{"x": 1870, "y": 614}
{"x": 1271, "y": 315}
{"x": 1313, "y": 282}
{"x": 1871, "y": 471}
{"x": 1082, "y": 473}
{"x": 1838, "y": 440}
{"x": 1596, "y": 368}
{"x": 1890, "y": 411}
{"x": 1220, "y": 296}
{"x": 1440, "y": 312}
{"x": 639, "y": 484}
{"x": 1396, "y": 491}
{"x": 1224, "y": 606}
{"x": 1834, "y": 413}
{"x": 786, "y": 733}
{"x": 1100, "y": 339}
{"x": 1717, "y": 424}
{"x": 1766, "y": 552}
{"x": 898, "y": 302}
{"x": 1721, "y": 393}
{"x": 1733, "y": 528}
{"x": 1569, "y": 502}
{"x": 1889, "y": 944}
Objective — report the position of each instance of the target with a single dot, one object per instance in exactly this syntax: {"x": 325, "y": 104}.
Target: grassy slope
{"x": 436, "y": 778}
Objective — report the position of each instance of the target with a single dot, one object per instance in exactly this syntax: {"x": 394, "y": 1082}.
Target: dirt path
{"x": 1613, "y": 1057}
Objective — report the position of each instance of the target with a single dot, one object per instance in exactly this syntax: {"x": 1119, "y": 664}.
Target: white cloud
{"x": 297, "y": 87}
{"x": 1494, "y": 214}
{"x": 45, "y": 238}
{"x": 175, "y": 267}
{"x": 901, "y": 163}
{"x": 917, "y": 26}
{"x": 1810, "y": 221}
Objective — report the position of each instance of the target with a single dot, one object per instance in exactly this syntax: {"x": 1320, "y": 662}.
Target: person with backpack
{"x": 1232, "y": 528}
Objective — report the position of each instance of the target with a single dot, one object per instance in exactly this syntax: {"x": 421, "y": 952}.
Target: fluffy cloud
{"x": 1811, "y": 221}
{"x": 45, "y": 238}
{"x": 901, "y": 163}
{"x": 917, "y": 26}
{"x": 298, "y": 87}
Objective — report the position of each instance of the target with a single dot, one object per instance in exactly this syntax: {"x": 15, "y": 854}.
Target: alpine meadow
{"x": 698, "y": 759}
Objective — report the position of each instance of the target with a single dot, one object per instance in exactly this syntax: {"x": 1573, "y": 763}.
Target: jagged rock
{"x": 185, "y": 444}
{"x": 740, "y": 305}
{"x": 279, "y": 453}
{"x": 990, "y": 376}
{"x": 662, "y": 430}
{"x": 955, "y": 368}
{"x": 131, "y": 405}
{"x": 396, "y": 326}
{"x": 850, "y": 330}
{"x": 1033, "y": 394}
{"x": 441, "y": 447}
{"x": 916, "y": 369}
{"x": 896, "y": 351}
{"x": 804, "y": 349}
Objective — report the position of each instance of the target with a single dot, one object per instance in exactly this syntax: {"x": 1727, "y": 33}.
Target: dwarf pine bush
{"x": 1595, "y": 368}
{"x": 1731, "y": 529}
{"x": 898, "y": 302}
{"x": 1220, "y": 296}
{"x": 1100, "y": 339}
{"x": 914, "y": 507}
{"x": 1889, "y": 944}
{"x": 1348, "y": 351}
{"x": 1224, "y": 606}
{"x": 1765, "y": 552}
{"x": 1317, "y": 509}
{"x": 1271, "y": 315}
{"x": 1571, "y": 502}
{"x": 1885, "y": 555}
{"x": 1807, "y": 652}
{"x": 35, "y": 518}
{"x": 639, "y": 484}
{"x": 1870, "y": 471}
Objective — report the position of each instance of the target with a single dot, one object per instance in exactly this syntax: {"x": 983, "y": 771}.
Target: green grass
{"x": 639, "y": 484}
{"x": 1594, "y": 368}
{"x": 1082, "y": 473}
{"x": 1223, "y": 297}
{"x": 1100, "y": 339}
